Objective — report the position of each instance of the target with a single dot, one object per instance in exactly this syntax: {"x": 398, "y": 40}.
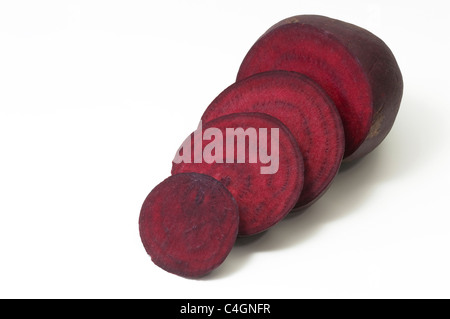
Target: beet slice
{"x": 356, "y": 69}
{"x": 306, "y": 111}
{"x": 188, "y": 224}
{"x": 263, "y": 198}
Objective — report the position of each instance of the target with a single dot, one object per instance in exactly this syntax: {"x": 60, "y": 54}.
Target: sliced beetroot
{"x": 307, "y": 112}
{"x": 356, "y": 69}
{"x": 188, "y": 224}
{"x": 263, "y": 198}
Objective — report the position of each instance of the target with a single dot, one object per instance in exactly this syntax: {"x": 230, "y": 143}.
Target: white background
{"x": 95, "y": 98}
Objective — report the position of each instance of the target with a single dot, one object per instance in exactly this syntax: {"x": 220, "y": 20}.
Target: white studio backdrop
{"x": 96, "y": 97}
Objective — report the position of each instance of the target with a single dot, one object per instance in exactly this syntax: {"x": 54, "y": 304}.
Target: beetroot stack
{"x": 311, "y": 92}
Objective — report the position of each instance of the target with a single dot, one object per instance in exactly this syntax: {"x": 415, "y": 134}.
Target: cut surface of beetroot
{"x": 307, "y": 112}
{"x": 188, "y": 224}
{"x": 356, "y": 69}
{"x": 263, "y": 199}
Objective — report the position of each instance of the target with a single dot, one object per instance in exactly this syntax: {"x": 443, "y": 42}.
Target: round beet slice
{"x": 307, "y": 112}
{"x": 188, "y": 224}
{"x": 356, "y": 69}
{"x": 264, "y": 196}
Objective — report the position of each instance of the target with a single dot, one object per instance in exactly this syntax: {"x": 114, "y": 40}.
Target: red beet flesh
{"x": 263, "y": 199}
{"x": 188, "y": 224}
{"x": 356, "y": 69}
{"x": 306, "y": 111}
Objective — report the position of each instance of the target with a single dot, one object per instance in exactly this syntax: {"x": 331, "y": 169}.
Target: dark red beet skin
{"x": 188, "y": 224}
{"x": 356, "y": 69}
{"x": 307, "y": 112}
{"x": 263, "y": 199}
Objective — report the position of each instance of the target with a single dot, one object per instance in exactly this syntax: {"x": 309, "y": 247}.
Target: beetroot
{"x": 188, "y": 224}
{"x": 264, "y": 197}
{"x": 356, "y": 69}
{"x": 306, "y": 111}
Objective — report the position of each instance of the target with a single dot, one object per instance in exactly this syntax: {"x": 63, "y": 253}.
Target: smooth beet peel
{"x": 307, "y": 112}
{"x": 355, "y": 67}
{"x": 188, "y": 224}
{"x": 263, "y": 199}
